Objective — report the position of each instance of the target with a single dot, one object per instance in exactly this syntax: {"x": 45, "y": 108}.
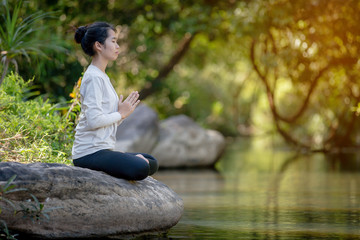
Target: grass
{"x": 33, "y": 129}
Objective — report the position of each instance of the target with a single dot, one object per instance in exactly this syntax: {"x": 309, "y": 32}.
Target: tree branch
{"x": 155, "y": 84}
{"x": 270, "y": 93}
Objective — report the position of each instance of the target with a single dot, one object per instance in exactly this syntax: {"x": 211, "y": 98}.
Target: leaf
{"x": 16, "y": 190}
{"x": 46, "y": 216}
{"x": 9, "y": 182}
{"x": 9, "y": 202}
{"x": 46, "y": 210}
{"x": 15, "y": 35}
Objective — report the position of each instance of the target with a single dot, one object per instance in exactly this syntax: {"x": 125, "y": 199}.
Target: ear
{"x": 97, "y": 46}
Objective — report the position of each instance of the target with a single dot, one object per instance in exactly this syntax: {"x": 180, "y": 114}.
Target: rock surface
{"x": 176, "y": 142}
{"x": 183, "y": 143}
{"x": 92, "y": 204}
{"x": 139, "y": 132}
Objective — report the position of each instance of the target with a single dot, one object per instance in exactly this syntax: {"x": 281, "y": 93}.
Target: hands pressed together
{"x": 126, "y": 107}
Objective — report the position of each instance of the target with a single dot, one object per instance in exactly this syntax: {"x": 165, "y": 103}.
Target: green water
{"x": 261, "y": 193}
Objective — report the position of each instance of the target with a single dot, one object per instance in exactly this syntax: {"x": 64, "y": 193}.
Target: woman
{"x": 102, "y": 111}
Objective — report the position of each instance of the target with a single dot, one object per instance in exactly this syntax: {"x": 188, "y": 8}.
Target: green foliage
{"x": 356, "y": 109}
{"x": 5, "y": 233}
{"x": 16, "y": 29}
{"x": 9, "y": 188}
{"x": 149, "y": 33}
{"x": 19, "y": 35}
{"x": 31, "y": 210}
{"x": 4, "y": 190}
{"x": 31, "y": 130}
{"x": 253, "y": 66}
{"x": 306, "y": 57}
{"x": 34, "y": 210}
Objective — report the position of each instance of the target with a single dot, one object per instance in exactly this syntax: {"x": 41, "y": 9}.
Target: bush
{"x": 32, "y": 130}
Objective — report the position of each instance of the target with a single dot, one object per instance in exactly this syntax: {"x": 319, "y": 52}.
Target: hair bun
{"x": 80, "y": 33}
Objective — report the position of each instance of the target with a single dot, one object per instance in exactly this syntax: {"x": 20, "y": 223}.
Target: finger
{"x": 133, "y": 97}
{"x": 136, "y": 97}
{"x": 137, "y": 103}
{"x": 121, "y": 98}
{"x": 130, "y": 97}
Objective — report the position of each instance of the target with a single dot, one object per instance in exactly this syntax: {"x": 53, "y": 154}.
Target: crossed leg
{"x": 130, "y": 166}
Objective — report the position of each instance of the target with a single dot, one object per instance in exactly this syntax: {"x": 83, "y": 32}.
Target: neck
{"x": 99, "y": 62}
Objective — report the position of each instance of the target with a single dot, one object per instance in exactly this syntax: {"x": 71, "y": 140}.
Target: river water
{"x": 258, "y": 192}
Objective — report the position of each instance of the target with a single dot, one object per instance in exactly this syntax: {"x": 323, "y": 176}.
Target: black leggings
{"x": 119, "y": 164}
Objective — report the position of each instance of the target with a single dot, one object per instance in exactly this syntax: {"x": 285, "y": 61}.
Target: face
{"x": 110, "y": 48}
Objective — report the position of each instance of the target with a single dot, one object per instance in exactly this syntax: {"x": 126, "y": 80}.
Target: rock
{"x": 176, "y": 142}
{"x": 183, "y": 143}
{"x": 92, "y": 204}
{"x": 139, "y": 132}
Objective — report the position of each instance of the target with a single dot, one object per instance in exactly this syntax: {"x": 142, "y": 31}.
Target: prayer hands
{"x": 128, "y": 106}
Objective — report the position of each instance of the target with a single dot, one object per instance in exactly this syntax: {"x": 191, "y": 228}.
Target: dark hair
{"x": 88, "y": 35}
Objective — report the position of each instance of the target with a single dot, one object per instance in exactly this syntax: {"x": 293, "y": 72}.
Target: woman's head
{"x": 87, "y": 36}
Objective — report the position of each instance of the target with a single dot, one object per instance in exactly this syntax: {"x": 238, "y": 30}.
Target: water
{"x": 260, "y": 193}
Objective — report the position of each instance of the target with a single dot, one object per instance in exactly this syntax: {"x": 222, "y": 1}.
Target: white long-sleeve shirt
{"x": 99, "y": 117}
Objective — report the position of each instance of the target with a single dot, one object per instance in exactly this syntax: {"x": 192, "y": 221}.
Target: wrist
{"x": 121, "y": 116}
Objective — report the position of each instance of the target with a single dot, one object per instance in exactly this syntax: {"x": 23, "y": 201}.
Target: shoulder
{"x": 92, "y": 75}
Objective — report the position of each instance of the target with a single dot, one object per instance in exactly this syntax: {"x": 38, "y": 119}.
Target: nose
{"x": 117, "y": 46}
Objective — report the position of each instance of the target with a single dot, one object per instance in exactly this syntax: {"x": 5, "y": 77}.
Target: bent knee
{"x": 140, "y": 172}
{"x": 154, "y": 166}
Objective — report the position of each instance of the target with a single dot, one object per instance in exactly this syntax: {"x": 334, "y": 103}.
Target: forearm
{"x": 99, "y": 120}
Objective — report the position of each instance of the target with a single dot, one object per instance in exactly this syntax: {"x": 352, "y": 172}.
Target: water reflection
{"x": 261, "y": 193}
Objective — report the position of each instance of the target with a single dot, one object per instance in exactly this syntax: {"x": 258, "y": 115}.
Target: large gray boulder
{"x": 176, "y": 142}
{"x": 92, "y": 204}
{"x": 139, "y": 132}
{"x": 183, "y": 143}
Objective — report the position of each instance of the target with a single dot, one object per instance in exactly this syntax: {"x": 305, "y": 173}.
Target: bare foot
{"x": 141, "y": 156}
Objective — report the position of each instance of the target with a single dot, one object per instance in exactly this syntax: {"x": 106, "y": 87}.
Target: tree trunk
{"x": 6, "y": 66}
{"x": 155, "y": 84}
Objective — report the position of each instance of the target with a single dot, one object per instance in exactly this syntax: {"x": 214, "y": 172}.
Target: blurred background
{"x": 245, "y": 68}
{"x": 278, "y": 78}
